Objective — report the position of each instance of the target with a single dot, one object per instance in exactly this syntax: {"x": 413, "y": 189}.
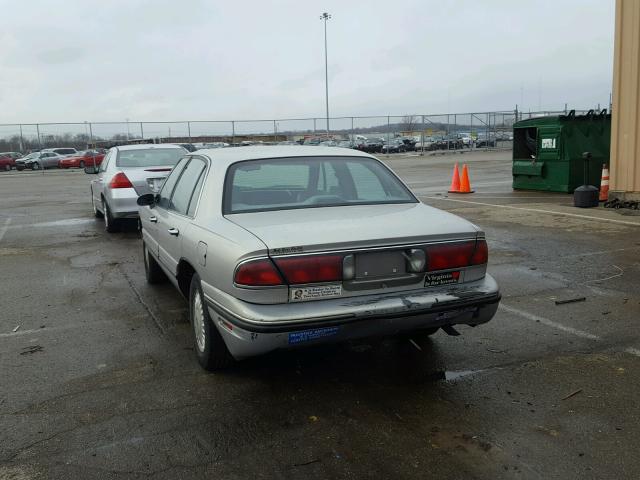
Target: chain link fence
{"x": 377, "y": 134}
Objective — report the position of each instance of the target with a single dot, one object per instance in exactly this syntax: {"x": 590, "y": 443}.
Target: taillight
{"x": 456, "y": 255}
{"x": 481, "y": 254}
{"x": 311, "y": 269}
{"x": 258, "y": 273}
{"x": 120, "y": 180}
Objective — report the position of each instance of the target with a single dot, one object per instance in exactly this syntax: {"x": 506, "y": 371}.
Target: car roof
{"x": 230, "y": 155}
{"x": 145, "y": 146}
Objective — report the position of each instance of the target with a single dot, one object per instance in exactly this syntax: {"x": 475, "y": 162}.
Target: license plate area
{"x": 155, "y": 184}
{"x": 442, "y": 278}
{"x": 380, "y": 265}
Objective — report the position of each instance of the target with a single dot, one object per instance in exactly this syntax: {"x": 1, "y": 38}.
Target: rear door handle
{"x": 174, "y": 231}
{"x": 153, "y": 219}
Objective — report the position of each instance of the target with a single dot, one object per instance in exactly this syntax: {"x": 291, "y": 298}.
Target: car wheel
{"x": 7, "y": 167}
{"x": 110, "y": 223}
{"x": 81, "y": 164}
{"x": 152, "y": 270}
{"x": 35, "y": 166}
{"x": 208, "y": 344}
{"x": 20, "y": 168}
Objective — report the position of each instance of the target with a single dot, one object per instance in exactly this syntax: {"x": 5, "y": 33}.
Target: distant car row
{"x": 51, "y": 158}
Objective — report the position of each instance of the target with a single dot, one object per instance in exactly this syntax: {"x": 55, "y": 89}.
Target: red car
{"x": 82, "y": 159}
{"x": 7, "y": 163}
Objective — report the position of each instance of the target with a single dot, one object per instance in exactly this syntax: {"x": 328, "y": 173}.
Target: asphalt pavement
{"x": 98, "y": 377}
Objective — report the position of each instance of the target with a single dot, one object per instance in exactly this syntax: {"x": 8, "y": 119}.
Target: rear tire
{"x": 35, "y": 166}
{"x": 110, "y": 224}
{"x": 211, "y": 351}
{"x": 152, "y": 270}
{"x": 7, "y": 167}
{"x": 81, "y": 163}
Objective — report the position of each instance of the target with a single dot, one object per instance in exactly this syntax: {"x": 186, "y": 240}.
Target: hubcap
{"x": 198, "y": 321}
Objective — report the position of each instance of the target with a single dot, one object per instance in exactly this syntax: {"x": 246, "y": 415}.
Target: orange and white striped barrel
{"x": 604, "y": 184}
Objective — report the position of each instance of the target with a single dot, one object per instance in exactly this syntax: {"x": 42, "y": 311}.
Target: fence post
{"x": 388, "y": 134}
{"x": 233, "y": 132}
{"x": 352, "y": 137}
{"x": 39, "y": 141}
{"x": 21, "y": 140}
{"x": 141, "y": 131}
{"x": 275, "y": 131}
{"x": 189, "y": 131}
{"x": 422, "y": 138}
{"x": 448, "y": 133}
{"x": 91, "y": 135}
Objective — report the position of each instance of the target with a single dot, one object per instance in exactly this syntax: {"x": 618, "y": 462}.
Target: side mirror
{"x": 148, "y": 199}
{"x": 91, "y": 170}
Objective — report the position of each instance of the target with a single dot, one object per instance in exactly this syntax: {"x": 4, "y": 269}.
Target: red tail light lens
{"x": 456, "y": 255}
{"x": 311, "y": 269}
{"x": 481, "y": 254}
{"x": 449, "y": 255}
{"x": 258, "y": 273}
{"x": 120, "y": 180}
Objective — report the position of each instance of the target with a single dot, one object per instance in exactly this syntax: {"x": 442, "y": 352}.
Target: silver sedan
{"x": 281, "y": 247}
{"x": 125, "y": 173}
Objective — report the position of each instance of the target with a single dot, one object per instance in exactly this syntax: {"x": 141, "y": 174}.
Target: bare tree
{"x": 409, "y": 123}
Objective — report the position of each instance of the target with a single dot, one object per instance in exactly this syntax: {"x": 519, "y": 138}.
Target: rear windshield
{"x": 150, "y": 157}
{"x": 281, "y": 184}
{"x": 65, "y": 151}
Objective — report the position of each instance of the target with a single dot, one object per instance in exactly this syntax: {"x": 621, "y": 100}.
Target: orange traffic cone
{"x": 604, "y": 184}
{"x": 455, "y": 180}
{"x": 465, "y": 186}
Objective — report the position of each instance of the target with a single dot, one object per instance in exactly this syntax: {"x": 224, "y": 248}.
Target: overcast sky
{"x": 76, "y": 60}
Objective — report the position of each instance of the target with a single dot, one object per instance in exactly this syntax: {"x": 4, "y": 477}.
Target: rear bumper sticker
{"x": 435, "y": 279}
{"x": 314, "y": 293}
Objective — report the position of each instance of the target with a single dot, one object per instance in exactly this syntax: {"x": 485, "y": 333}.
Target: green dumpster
{"x": 547, "y": 151}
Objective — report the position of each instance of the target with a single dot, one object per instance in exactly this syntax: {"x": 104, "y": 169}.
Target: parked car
{"x": 395, "y": 146}
{"x": 81, "y": 159}
{"x": 38, "y": 160}
{"x": 62, "y": 151}
{"x": 6, "y": 162}
{"x": 281, "y": 247}
{"x": 189, "y": 147}
{"x": 373, "y": 145}
{"x": 13, "y": 155}
{"x": 125, "y": 173}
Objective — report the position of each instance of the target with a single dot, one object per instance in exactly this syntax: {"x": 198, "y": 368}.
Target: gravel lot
{"x": 99, "y": 380}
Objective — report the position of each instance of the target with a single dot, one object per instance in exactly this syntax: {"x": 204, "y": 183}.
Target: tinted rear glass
{"x": 65, "y": 151}
{"x": 280, "y": 184}
{"x": 151, "y": 157}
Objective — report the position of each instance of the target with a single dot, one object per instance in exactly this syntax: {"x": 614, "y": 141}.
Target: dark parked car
{"x": 395, "y": 146}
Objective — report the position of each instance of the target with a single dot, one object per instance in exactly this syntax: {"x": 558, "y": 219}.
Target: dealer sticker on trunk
{"x": 299, "y": 294}
{"x": 435, "y": 279}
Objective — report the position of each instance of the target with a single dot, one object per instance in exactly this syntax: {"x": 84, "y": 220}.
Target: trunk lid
{"x": 359, "y": 226}
{"x": 143, "y": 178}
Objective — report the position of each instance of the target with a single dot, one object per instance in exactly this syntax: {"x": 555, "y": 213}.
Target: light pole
{"x": 325, "y": 16}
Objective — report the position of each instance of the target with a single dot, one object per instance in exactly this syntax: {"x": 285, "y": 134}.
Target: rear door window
{"x": 186, "y": 185}
{"x": 169, "y": 183}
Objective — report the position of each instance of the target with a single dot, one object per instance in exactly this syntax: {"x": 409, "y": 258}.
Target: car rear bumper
{"x": 123, "y": 202}
{"x": 250, "y": 329}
